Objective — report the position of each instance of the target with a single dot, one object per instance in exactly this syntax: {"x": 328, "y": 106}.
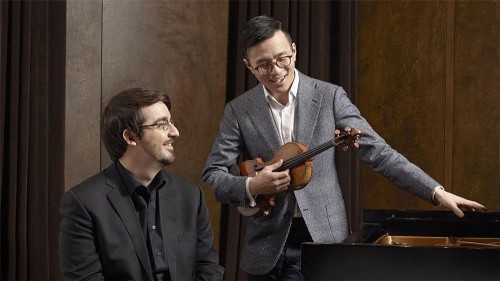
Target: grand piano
{"x": 410, "y": 245}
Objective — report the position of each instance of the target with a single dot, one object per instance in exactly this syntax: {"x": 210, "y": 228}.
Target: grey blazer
{"x": 247, "y": 128}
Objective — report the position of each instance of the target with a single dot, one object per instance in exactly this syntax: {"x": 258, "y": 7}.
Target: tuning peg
{"x": 337, "y": 132}
{"x": 345, "y": 148}
{"x": 356, "y": 144}
{"x": 347, "y": 129}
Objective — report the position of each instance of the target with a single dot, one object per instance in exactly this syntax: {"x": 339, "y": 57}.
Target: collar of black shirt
{"x": 132, "y": 184}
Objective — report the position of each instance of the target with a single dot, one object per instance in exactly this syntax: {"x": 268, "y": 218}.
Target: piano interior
{"x": 432, "y": 241}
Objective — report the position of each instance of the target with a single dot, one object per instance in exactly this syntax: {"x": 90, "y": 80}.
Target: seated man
{"x": 134, "y": 220}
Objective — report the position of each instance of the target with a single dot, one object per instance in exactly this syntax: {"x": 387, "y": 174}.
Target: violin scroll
{"x": 349, "y": 135}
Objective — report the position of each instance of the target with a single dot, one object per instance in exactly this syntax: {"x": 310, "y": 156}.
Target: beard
{"x": 158, "y": 153}
{"x": 167, "y": 160}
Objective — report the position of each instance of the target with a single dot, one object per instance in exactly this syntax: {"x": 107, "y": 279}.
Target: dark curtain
{"x": 32, "y": 102}
{"x": 324, "y": 32}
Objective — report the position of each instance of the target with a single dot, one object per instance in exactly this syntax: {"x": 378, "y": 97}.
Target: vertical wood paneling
{"x": 83, "y": 90}
{"x": 428, "y": 74}
{"x": 476, "y": 168}
{"x": 401, "y": 89}
{"x": 179, "y": 47}
{"x": 450, "y": 75}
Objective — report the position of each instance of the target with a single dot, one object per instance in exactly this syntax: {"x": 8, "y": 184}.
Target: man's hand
{"x": 268, "y": 182}
{"x": 456, "y": 203}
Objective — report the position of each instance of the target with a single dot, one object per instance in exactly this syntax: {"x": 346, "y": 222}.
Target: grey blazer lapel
{"x": 120, "y": 199}
{"x": 260, "y": 114}
{"x": 307, "y": 111}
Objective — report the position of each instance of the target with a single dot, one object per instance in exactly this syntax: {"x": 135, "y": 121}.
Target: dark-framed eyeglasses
{"x": 162, "y": 124}
{"x": 280, "y": 62}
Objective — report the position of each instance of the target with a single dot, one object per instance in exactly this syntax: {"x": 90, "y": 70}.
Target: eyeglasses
{"x": 280, "y": 62}
{"x": 162, "y": 124}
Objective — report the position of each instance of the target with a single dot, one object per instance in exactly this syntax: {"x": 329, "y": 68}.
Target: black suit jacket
{"x": 101, "y": 236}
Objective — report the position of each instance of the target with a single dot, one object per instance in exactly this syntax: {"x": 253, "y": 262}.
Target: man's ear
{"x": 129, "y": 137}
{"x": 294, "y": 51}
{"x": 248, "y": 65}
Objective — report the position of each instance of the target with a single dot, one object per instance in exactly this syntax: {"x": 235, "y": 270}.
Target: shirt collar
{"x": 131, "y": 183}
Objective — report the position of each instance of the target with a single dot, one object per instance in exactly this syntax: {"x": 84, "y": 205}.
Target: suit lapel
{"x": 120, "y": 199}
{"x": 307, "y": 111}
{"x": 261, "y": 117}
{"x": 168, "y": 216}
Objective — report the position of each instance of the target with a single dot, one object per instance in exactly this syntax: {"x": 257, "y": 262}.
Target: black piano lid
{"x": 433, "y": 223}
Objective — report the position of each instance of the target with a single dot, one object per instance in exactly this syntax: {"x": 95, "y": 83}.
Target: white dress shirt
{"x": 284, "y": 119}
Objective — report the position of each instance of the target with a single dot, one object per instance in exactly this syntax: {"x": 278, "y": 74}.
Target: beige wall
{"x": 179, "y": 47}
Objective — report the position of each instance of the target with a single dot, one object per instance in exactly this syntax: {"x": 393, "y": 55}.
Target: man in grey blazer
{"x": 134, "y": 220}
{"x": 290, "y": 106}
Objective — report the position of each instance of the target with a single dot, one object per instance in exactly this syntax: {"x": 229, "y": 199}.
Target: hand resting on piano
{"x": 456, "y": 203}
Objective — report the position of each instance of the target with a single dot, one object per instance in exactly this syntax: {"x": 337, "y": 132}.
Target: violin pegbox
{"x": 349, "y": 135}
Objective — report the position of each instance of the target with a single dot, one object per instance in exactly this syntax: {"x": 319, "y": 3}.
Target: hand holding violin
{"x": 268, "y": 182}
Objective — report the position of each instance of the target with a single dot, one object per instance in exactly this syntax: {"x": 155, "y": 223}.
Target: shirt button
{"x": 153, "y": 227}
{"x": 159, "y": 253}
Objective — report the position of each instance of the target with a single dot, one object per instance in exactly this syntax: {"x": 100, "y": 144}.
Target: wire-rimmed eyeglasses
{"x": 162, "y": 124}
{"x": 280, "y": 62}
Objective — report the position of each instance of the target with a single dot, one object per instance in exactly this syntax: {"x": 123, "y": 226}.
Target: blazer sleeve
{"x": 78, "y": 255}
{"x": 221, "y": 171}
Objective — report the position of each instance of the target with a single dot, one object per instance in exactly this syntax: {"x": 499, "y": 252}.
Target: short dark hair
{"x": 259, "y": 29}
{"x": 124, "y": 112}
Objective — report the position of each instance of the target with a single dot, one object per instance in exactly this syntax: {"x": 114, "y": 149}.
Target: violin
{"x": 298, "y": 159}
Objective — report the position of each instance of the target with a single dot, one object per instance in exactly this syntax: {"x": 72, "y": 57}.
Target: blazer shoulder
{"x": 181, "y": 183}
{"x": 184, "y": 191}
{"x": 90, "y": 184}
{"x": 91, "y": 194}
{"x": 313, "y": 83}
{"x": 97, "y": 185}
{"x": 247, "y": 97}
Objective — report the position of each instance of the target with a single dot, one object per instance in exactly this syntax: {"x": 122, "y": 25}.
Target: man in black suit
{"x": 134, "y": 220}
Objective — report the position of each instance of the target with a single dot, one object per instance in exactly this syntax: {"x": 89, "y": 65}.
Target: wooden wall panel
{"x": 401, "y": 89}
{"x": 179, "y": 47}
{"x": 476, "y": 168}
{"x": 428, "y": 74}
{"x": 83, "y": 90}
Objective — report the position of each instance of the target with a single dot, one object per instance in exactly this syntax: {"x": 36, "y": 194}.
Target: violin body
{"x": 299, "y": 175}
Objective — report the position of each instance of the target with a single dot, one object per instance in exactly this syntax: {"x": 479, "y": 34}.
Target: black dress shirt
{"x": 147, "y": 207}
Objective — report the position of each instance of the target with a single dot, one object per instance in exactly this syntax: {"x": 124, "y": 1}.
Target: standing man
{"x": 290, "y": 106}
{"x": 134, "y": 220}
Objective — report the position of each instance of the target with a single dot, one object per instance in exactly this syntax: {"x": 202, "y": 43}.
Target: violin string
{"x": 290, "y": 163}
{"x": 301, "y": 158}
